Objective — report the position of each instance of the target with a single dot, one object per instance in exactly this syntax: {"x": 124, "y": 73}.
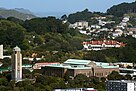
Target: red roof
{"x": 107, "y": 42}
{"x": 47, "y": 63}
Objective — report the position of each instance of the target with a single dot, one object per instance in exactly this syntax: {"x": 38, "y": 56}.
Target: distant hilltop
{"x": 121, "y": 9}
{"x": 25, "y": 11}
{"x": 19, "y": 13}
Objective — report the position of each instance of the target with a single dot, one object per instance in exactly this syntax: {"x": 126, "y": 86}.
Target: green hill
{"x": 121, "y": 9}
{"x": 13, "y": 13}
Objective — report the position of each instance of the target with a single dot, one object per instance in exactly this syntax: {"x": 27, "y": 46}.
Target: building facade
{"x": 100, "y": 45}
{"x": 73, "y": 67}
{"x": 76, "y": 89}
{"x": 120, "y": 85}
{"x": 16, "y": 60}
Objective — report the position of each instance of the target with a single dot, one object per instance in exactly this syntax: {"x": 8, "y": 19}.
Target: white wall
{"x": 130, "y": 87}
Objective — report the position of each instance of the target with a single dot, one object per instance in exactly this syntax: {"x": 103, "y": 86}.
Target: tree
{"x": 103, "y": 79}
{"x": 15, "y": 20}
{"x": 3, "y": 82}
{"x": 128, "y": 77}
{"x": 29, "y": 88}
{"x": 115, "y": 76}
{"x": 4, "y": 88}
{"x": 81, "y": 80}
{"x": 121, "y": 9}
{"x": 80, "y": 16}
{"x": 64, "y": 17}
{"x": 44, "y": 25}
{"x": 111, "y": 59}
{"x": 95, "y": 80}
{"x": 10, "y": 33}
{"x": 37, "y": 25}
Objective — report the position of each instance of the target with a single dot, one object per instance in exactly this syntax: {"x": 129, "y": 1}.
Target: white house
{"x": 79, "y": 25}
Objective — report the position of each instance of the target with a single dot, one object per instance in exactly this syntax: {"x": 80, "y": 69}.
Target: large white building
{"x": 100, "y": 45}
{"x": 120, "y": 85}
{"x": 16, "y": 61}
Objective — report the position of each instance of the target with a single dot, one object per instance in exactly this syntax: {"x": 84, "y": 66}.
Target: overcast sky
{"x": 61, "y": 5}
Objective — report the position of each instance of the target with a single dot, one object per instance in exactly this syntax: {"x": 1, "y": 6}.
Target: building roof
{"x": 26, "y": 65}
{"x": 68, "y": 66}
{"x": 107, "y": 42}
{"x": 77, "y": 61}
{"x": 46, "y": 63}
{"x": 17, "y": 48}
{"x": 105, "y": 65}
{"x": 5, "y": 69}
{"x": 122, "y": 81}
{"x": 80, "y": 64}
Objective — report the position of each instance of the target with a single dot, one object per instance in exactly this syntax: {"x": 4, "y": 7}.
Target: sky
{"x": 67, "y": 6}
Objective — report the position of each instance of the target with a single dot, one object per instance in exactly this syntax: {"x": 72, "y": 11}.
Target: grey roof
{"x": 77, "y": 61}
{"x": 17, "y": 48}
{"x": 122, "y": 81}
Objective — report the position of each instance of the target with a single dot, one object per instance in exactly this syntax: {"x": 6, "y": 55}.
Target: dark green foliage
{"x": 10, "y": 33}
{"x": 103, "y": 79}
{"x": 115, "y": 76}
{"x": 37, "y": 25}
{"x": 121, "y": 9}
{"x": 128, "y": 77}
{"x": 83, "y": 15}
{"x": 6, "y": 62}
{"x": 44, "y": 25}
{"x": 3, "y": 82}
{"x": 64, "y": 17}
{"x": 81, "y": 80}
{"x": 15, "y": 20}
{"x": 40, "y": 34}
{"x": 4, "y": 88}
{"x": 61, "y": 42}
{"x": 47, "y": 83}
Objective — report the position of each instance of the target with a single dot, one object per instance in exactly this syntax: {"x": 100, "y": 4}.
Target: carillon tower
{"x": 16, "y": 61}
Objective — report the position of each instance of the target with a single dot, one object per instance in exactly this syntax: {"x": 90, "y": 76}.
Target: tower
{"x": 16, "y": 61}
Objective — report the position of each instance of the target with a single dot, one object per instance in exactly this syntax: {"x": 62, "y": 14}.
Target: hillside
{"x": 121, "y": 9}
{"x": 14, "y": 13}
{"x": 22, "y": 10}
{"x": 84, "y": 15}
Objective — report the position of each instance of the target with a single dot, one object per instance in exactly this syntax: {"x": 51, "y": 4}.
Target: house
{"x": 133, "y": 29}
{"x": 99, "y": 18}
{"x": 134, "y": 35}
{"x": 126, "y": 19}
{"x": 79, "y": 25}
{"x": 83, "y": 31}
{"x": 95, "y": 26}
{"x": 118, "y": 32}
{"x": 100, "y": 45}
{"x": 124, "y": 64}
